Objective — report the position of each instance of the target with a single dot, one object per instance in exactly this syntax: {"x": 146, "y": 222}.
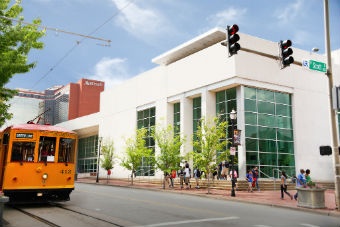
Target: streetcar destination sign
{"x": 314, "y": 65}
{"x": 24, "y": 135}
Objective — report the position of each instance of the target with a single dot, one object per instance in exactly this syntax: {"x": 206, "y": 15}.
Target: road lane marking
{"x": 309, "y": 225}
{"x": 155, "y": 203}
{"x": 189, "y": 221}
{"x": 262, "y": 226}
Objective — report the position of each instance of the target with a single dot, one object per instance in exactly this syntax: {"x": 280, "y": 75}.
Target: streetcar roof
{"x": 40, "y": 127}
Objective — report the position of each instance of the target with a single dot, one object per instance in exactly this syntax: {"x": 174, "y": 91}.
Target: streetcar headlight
{"x": 45, "y": 176}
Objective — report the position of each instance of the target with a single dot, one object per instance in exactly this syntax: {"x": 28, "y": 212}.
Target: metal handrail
{"x": 139, "y": 177}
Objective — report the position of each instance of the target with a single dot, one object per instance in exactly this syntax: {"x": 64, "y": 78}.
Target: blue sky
{"x": 148, "y": 28}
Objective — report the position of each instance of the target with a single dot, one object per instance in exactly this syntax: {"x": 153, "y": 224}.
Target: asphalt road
{"x": 135, "y": 207}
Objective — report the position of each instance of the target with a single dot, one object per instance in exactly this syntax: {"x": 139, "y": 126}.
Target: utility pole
{"x": 333, "y": 112}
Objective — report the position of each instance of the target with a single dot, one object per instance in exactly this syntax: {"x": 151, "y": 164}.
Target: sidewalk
{"x": 271, "y": 198}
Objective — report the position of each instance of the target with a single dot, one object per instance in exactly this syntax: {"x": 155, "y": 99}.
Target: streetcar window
{"x": 47, "y": 149}
{"x": 66, "y": 150}
{"x": 23, "y": 151}
{"x": 6, "y": 139}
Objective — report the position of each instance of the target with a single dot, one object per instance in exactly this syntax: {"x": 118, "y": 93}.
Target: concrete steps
{"x": 265, "y": 185}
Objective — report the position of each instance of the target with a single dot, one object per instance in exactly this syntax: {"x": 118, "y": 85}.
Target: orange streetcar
{"x": 37, "y": 162}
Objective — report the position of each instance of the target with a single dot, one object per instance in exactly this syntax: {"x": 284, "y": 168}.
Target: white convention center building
{"x": 283, "y": 114}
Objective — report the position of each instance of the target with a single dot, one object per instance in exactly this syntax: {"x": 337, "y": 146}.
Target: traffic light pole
{"x": 333, "y": 112}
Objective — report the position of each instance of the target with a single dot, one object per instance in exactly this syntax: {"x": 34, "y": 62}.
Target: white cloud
{"x": 290, "y": 12}
{"x": 140, "y": 22}
{"x": 302, "y": 38}
{"x": 112, "y": 71}
{"x": 228, "y": 16}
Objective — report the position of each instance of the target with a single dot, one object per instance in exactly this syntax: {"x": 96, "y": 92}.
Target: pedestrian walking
{"x": 187, "y": 174}
{"x": 300, "y": 181}
{"x": 255, "y": 178}
{"x": 172, "y": 177}
{"x": 284, "y": 185}
{"x": 181, "y": 177}
{"x": 225, "y": 170}
{"x": 167, "y": 178}
{"x": 250, "y": 180}
{"x": 235, "y": 178}
{"x": 219, "y": 171}
{"x": 197, "y": 175}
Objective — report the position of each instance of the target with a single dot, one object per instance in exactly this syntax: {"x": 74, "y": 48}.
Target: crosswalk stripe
{"x": 309, "y": 225}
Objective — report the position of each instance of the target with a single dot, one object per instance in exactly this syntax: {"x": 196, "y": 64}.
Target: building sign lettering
{"x": 91, "y": 83}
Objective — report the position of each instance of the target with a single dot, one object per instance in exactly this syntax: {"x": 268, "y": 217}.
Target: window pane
{"x": 221, "y": 108}
{"x": 267, "y": 120}
{"x": 197, "y": 102}
{"x": 177, "y": 107}
{"x": 282, "y": 98}
{"x": 140, "y": 115}
{"x": 290, "y": 171}
{"x": 285, "y": 134}
{"x": 286, "y": 147}
{"x": 268, "y": 170}
{"x": 152, "y": 112}
{"x": 23, "y": 151}
{"x": 252, "y": 158}
{"x": 46, "y": 149}
{"x": 249, "y": 93}
{"x": 220, "y": 96}
{"x": 66, "y": 150}
{"x": 286, "y": 160}
{"x": 197, "y": 113}
{"x": 267, "y": 146}
{"x": 250, "y": 105}
{"x": 251, "y": 131}
{"x": 268, "y": 159}
{"x": 283, "y": 110}
{"x": 266, "y": 107}
{"x": 146, "y": 113}
{"x": 231, "y": 106}
{"x": 265, "y": 95}
{"x": 267, "y": 133}
{"x": 284, "y": 122}
{"x": 251, "y": 144}
{"x": 251, "y": 118}
{"x": 231, "y": 93}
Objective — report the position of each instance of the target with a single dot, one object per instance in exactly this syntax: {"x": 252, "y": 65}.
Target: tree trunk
{"x": 208, "y": 182}
{"x": 132, "y": 177}
{"x": 164, "y": 181}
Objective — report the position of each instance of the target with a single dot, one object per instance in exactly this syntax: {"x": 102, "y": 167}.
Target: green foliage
{"x": 208, "y": 141}
{"x": 135, "y": 151}
{"x": 169, "y": 145}
{"x": 16, "y": 41}
{"x": 107, "y": 150}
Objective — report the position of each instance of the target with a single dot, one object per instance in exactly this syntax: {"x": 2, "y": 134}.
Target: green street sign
{"x": 318, "y": 66}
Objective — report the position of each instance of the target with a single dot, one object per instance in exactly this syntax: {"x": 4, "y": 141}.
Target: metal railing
{"x": 273, "y": 177}
{"x": 141, "y": 174}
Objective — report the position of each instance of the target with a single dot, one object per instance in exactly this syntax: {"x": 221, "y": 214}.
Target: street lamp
{"x": 233, "y": 117}
{"x": 98, "y": 161}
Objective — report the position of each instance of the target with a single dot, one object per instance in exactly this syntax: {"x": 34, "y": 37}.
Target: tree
{"x": 16, "y": 41}
{"x": 135, "y": 152}
{"x": 209, "y": 142}
{"x": 107, "y": 150}
{"x": 169, "y": 144}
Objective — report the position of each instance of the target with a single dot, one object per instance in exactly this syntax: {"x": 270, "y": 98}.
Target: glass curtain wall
{"x": 87, "y": 154}
{"x": 269, "y": 132}
{"x": 197, "y": 112}
{"x": 225, "y": 103}
{"x": 177, "y": 118}
{"x": 147, "y": 119}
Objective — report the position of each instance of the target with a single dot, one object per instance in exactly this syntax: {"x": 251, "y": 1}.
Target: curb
{"x": 325, "y": 213}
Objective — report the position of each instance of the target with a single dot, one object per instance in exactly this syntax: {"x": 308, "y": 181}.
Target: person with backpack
{"x": 172, "y": 177}
{"x": 250, "y": 181}
{"x": 180, "y": 173}
{"x": 255, "y": 178}
{"x": 197, "y": 175}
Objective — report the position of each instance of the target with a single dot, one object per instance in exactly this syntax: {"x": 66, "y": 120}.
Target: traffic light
{"x": 286, "y": 52}
{"x": 232, "y": 39}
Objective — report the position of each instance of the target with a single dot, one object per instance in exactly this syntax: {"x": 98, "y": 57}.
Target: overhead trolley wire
{"x": 78, "y": 42}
